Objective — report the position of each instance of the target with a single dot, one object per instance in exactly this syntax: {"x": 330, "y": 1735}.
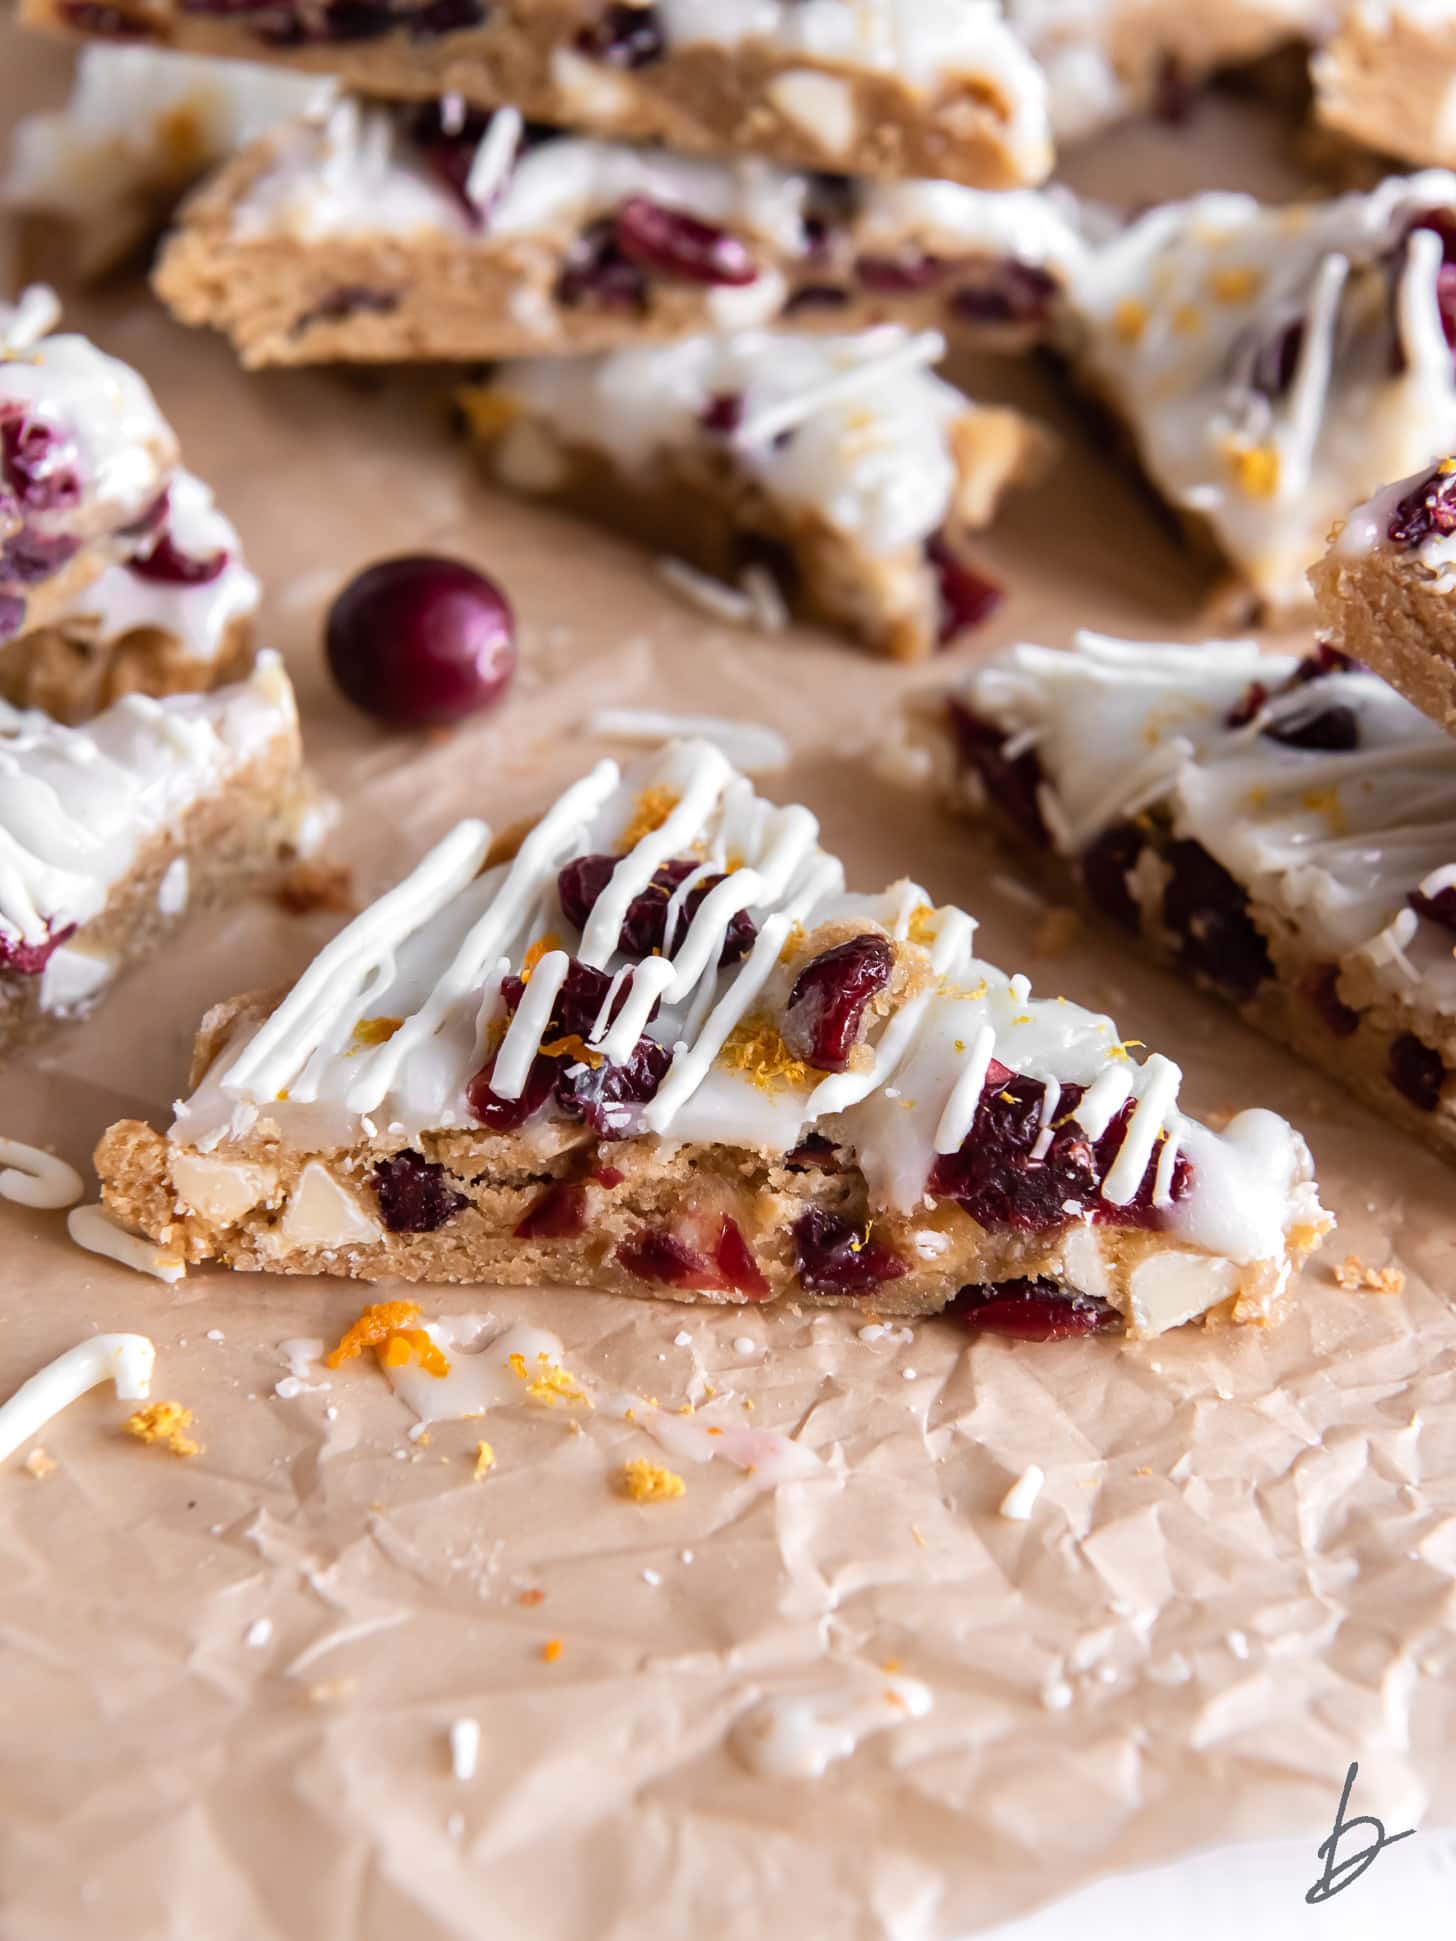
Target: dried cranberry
{"x": 830, "y": 996}
{"x": 559, "y": 1214}
{"x": 356, "y": 20}
{"x": 1317, "y": 664}
{"x": 644, "y": 928}
{"x": 896, "y": 276}
{"x": 1105, "y": 865}
{"x": 722, "y": 1263}
{"x": 1139, "y": 1211}
{"x": 1209, "y": 913}
{"x": 602, "y": 1095}
{"x": 1333, "y": 730}
{"x": 414, "y": 1194}
{"x": 671, "y": 243}
{"x": 625, "y": 36}
{"x": 1012, "y": 786}
{"x": 967, "y": 598}
{"x": 1277, "y": 359}
{"x": 723, "y": 413}
{"x": 993, "y": 1175}
{"x": 509, "y": 1115}
{"x": 834, "y": 1256}
{"x": 1254, "y": 697}
{"x": 421, "y": 641}
{"x": 608, "y": 1176}
{"x": 348, "y": 300}
{"x": 599, "y": 273}
{"x": 446, "y": 17}
{"x": 1321, "y": 989}
{"x": 1006, "y": 293}
{"x": 1031, "y": 1310}
{"x": 29, "y": 960}
{"x": 448, "y": 144}
{"x": 1440, "y": 908}
{"x": 168, "y": 565}
{"x": 1416, "y": 1071}
{"x": 1429, "y": 508}
{"x": 39, "y": 465}
{"x": 105, "y": 22}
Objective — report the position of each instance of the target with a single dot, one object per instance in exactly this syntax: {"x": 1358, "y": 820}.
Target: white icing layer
{"x": 1276, "y": 363}
{"x": 1334, "y": 841}
{"x": 856, "y": 428}
{"x": 429, "y": 957}
{"x": 77, "y": 804}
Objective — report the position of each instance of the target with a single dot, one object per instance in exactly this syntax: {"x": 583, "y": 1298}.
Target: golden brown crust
{"x": 1383, "y": 608}
{"x": 71, "y": 669}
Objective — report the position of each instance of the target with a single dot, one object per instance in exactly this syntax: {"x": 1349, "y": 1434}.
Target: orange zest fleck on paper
{"x": 551, "y": 1650}
{"x": 165, "y": 1424}
{"x": 550, "y": 1383}
{"x": 531, "y": 1598}
{"x": 385, "y": 1327}
{"x": 652, "y": 808}
{"x": 649, "y": 1482}
{"x": 484, "y": 1460}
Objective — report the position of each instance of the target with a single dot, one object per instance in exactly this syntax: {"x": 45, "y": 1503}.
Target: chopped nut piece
{"x": 649, "y": 1482}
{"x": 164, "y": 1423}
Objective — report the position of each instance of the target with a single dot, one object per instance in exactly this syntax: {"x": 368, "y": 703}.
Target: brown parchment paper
{"x": 1238, "y": 1577}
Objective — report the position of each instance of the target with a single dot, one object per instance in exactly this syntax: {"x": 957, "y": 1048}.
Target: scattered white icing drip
{"x": 93, "y": 1228}
{"x": 1191, "y": 317}
{"x": 799, "y": 1735}
{"x": 870, "y": 447}
{"x": 464, "y": 1748}
{"x": 76, "y": 804}
{"x": 259, "y": 1634}
{"x": 125, "y": 1359}
{"x": 303, "y": 1357}
{"x": 1019, "y": 1501}
{"x": 31, "y": 1177}
{"x": 701, "y": 590}
{"x": 432, "y": 952}
{"x": 1335, "y": 840}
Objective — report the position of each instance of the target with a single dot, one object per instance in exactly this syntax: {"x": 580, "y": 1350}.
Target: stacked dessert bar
{"x": 771, "y": 219}
{"x": 149, "y": 762}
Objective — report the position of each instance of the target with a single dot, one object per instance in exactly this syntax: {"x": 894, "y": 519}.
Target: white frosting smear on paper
{"x": 799, "y": 1735}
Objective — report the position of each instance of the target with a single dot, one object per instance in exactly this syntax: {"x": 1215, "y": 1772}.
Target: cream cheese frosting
{"x": 1275, "y": 363}
{"x": 1335, "y": 841}
{"x": 77, "y": 804}
{"x": 429, "y": 957}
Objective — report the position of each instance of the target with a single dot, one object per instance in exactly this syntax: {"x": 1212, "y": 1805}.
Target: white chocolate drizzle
{"x": 431, "y": 953}
{"x": 127, "y": 1360}
{"x": 99, "y": 1232}
{"x": 1276, "y": 363}
{"x": 31, "y": 1177}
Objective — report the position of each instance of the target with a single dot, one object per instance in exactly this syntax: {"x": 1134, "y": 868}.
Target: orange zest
{"x": 385, "y": 1327}
{"x": 652, "y": 809}
{"x": 537, "y": 951}
{"x": 573, "y": 1046}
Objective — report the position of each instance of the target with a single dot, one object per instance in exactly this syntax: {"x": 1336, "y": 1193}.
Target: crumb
{"x": 328, "y": 1689}
{"x": 484, "y": 1460}
{"x": 311, "y": 886}
{"x": 550, "y": 1384}
{"x": 39, "y": 1464}
{"x": 1352, "y": 1273}
{"x": 918, "y": 1534}
{"x": 890, "y": 1667}
{"x": 649, "y": 1482}
{"x": 528, "y": 1598}
{"x": 1058, "y": 930}
{"x": 165, "y": 1423}
{"x": 551, "y": 1650}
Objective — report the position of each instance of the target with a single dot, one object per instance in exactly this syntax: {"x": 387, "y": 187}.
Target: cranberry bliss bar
{"x": 842, "y": 465}
{"x": 662, "y": 1050}
{"x": 1385, "y": 592}
{"x": 111, "y": 833}
{"x": 434, "y": 231}
{"x": 888, "y": 87}
{"x": 1274, "y": 363}
{"x": 1282, "y": 829}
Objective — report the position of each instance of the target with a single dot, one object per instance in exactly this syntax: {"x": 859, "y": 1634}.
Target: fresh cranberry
{"x": 1429, "y": 508}
{"x": 559, "y": 1214}
{"x": 625, "y": 36}
{"x": 348, "y": 300}
{"x": 1321, "y": 990}
{"x": 833, "y": 1255}
{"x": 1440, "y": 908}
{"x": 39, "y": 465}
{"x": 1012, "y": 786}
{"x": 670, "y": 243}
{"x": 1416, "y": 1071}
{"x": 967, "y": 598}
{"x": 597, "y": 272}
{"x": 1031, "y": 1310}
{"x": 414, "y": 1194}
{"x": 1006, "y": 293}
{"x": 1106, "y": 863}
{"x": 421, "y": 641}
{"x": 1333, "y": 730}
{"x": 723, "y": 413}
{"x": 723, "y": 1263}
{"x": 644, "y": 928}
{"x": 830, "y": 996}
{"x": 1209, "y": 913}
{"x": 602, "y": 1095}
{"x": 899, "y": 275}
{"x": 104, "y": 22}
{"x": 509, "y": 1115}
{"x": 29, "y": 960}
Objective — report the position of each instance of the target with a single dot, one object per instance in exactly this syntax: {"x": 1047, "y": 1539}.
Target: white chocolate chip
{"x": 820, "y": 104}
{"x": 1168, "y": 1289}
{"x": 220, "y": 1189}
{"x": 321, "y": 1214}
